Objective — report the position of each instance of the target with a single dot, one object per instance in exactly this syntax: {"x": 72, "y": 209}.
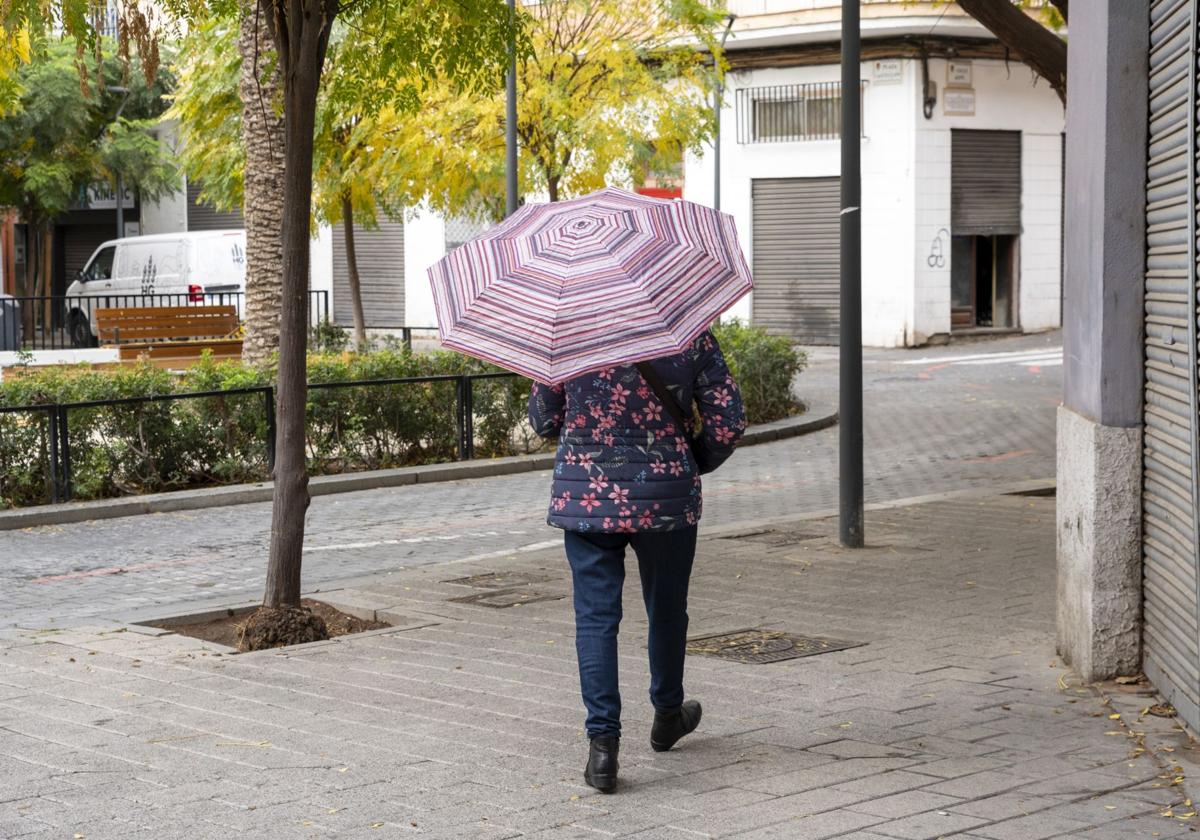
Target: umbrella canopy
{"x": 610, "y": 278}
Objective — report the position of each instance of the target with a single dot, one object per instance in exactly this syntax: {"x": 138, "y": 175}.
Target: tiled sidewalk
{"x": 955, "y": 719}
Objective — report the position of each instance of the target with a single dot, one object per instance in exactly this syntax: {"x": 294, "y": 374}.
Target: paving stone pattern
{"x": 929, "y": 428}
{"x": 955, "y": 720}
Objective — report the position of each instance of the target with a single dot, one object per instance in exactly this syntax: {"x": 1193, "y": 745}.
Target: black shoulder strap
{"x": 660, "y": 389}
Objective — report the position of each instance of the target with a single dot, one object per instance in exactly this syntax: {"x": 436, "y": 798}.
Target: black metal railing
{"x": 62, "y": 322}
{"x": 781, "y": 113}
{"x": 56, "y": 434}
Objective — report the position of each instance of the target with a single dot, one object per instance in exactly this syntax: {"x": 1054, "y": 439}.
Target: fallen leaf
{"x": 243, "y": 743}
{"x": 1114, "y": 717}
{"x": 376, "y": 825}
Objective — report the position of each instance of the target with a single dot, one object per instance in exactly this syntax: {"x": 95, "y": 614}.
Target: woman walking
{"x": 627, "y": 473}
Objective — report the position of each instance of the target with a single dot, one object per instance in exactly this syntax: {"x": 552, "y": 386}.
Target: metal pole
{"x": 718, "y": 97}
{"x": 510, "y": 122}
{"x": 850, "y": 367}
{"x": 120, "y": 206}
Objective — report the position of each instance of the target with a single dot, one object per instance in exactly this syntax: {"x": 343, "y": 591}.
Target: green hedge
{"x": 168, "y": 445}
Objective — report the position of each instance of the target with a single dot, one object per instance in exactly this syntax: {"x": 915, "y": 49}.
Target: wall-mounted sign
{"x": 886, "y": 70}
{"x": 958, "y": 102}
{"x": 958, "y": 73}
{"x": 104, "y": 197}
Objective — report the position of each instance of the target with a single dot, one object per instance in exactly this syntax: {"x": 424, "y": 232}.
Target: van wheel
{"x": 80, "y": 330}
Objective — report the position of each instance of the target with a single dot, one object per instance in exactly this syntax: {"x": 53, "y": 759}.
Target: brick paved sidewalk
{"x": 955, "y": 719}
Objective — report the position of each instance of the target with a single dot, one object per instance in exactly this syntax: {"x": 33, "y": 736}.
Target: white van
{"x": 166, "y": 269}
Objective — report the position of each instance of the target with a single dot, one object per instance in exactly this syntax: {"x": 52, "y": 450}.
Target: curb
{"x": 820, "y": 415}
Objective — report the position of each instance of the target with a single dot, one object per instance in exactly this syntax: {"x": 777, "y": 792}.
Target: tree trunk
{"x": 47, "y": 277}
{"x": 360, "y": 324}
{"x": 262, "y": 205}
{"x": 552, "y": 187}
{"x": 301, "y": 29}
{"x": 1037, "y": 46}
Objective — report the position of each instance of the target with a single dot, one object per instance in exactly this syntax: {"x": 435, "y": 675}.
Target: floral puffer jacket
{"x": 622, "y": 464}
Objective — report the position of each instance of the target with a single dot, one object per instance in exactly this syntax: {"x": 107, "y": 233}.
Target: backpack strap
{"x": 660, "y": 389}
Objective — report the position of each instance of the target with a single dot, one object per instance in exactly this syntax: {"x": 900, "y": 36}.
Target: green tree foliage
{"x": 58, "y": 136}
{"x": 609, "y": 90}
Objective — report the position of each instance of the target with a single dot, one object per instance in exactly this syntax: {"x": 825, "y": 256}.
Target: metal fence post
{"x": 466, "y": 420}
{"x": 52, "y": 446}
{"x": 406, "y": 338}
{"x": 269, "y": 395}
{"x": 64, "y": 454}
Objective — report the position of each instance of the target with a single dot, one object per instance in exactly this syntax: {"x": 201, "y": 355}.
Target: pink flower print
{"x": 598, "y": 483}
{"x": 596, "y": 435}
{"x": 669, "y": 428}
{"x": 653, "y": 411}
{"x": 680, "y": 444}
{"x": 722, "y": 397}
{"x": 676, "y": 468}
{"x": 660, "y": 433}
{"x": 659, "y": 467}
{"x": 643, "y": 392}
{"x": 637, "y": 419}
{"x": 691, "y": 517}
{"x": 624, "y": 512}
{"x": 607, "y": 373}
{"x": 597, "y": 411}
{"x": 561, "y": 502}
{"x": 610, "y": 440}
{"x": 657, "y": 505}
{"x": 625, "y": 526}
{"x": 607, "y": 524}
{"x": 618, "y": 495}
{"x": 645, "y": 519}
{"x": 585, "y": 459}
{"x": 620, "y": 393}
{"x": 606, "y": 422}
{"x": 723, "y": 434}
{"x": 589, "y": 502}
{"x": 570, "y": 458}
{"x": 580, "y": 420}
{"x": 707, "y": 343}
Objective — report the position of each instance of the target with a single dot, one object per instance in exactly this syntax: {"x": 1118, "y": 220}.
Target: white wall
{"x": 320, "y": 263}
{"x": 887, "y": 200}
{"x": 168, "y": 215}
{"x": 424, "y": 244}
{"x": 906, "y": 188}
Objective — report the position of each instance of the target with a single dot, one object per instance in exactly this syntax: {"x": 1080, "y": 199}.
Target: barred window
{"x": 789, "y": 112}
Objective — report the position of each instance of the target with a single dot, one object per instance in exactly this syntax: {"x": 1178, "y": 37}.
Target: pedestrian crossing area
{"x": 1041, "y": 357}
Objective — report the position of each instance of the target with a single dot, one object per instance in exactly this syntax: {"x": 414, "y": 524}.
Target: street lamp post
{"x": 120, "y": 176}
{"x": 850, "y": 397}
{"x": 510, "y": 123}
{"x": 718, "y": 95}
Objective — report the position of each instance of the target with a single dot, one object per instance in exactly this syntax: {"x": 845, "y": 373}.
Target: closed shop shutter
{"x": 380, "y": 255}
{"x": 985, "y": 182}
{"x": 79, "y": 243}
{"x": 201, "y": 216}
{"x": 796, "y": 240}
{"x": 1171, "y": 650}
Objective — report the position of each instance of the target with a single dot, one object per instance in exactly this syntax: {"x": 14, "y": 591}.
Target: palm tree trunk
{"x": 360, "y": 324}
{"x": 262, "y": 208}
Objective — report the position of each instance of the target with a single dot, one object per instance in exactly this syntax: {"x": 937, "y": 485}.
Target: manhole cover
{"x": 500, "y": 598}
{"x": 497, "y": 580}
{"x": 777, "y": 539}
{"x": 758, "y": 647}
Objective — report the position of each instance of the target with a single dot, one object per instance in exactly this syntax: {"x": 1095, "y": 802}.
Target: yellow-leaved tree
{"x": 610, "y": 90}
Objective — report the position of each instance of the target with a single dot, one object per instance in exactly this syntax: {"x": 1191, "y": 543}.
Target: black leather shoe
{"x": 601, "y": 770}
{"x": 670, "y": 727}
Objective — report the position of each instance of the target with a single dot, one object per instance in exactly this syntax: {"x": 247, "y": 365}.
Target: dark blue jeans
{"x": 598, "y": 574}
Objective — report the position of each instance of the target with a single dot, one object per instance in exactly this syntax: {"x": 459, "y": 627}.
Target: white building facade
{"x": 961, "y": 187}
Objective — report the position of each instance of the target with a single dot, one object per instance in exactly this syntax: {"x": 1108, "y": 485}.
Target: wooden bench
{"x": 170, "y": 336}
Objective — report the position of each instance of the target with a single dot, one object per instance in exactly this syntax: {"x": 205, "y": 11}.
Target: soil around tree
{"x": 265, "y": 628}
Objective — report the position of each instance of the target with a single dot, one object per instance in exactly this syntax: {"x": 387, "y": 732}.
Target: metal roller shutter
{"x": 380, "y": 271}
{"x": 201, "y": 216}
{"x": 1171, "y": 642}
{"x": 796, "y": 240}
{"x": 985, "y": 182}
{"x": 79, "y": 242}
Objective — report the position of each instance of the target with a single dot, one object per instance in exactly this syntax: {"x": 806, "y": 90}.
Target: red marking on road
{"x": 1035, "y": 368}
{"x": 991, "y": 459}
{"x": 925, "y": 374}
{"x": 118, "y": 570}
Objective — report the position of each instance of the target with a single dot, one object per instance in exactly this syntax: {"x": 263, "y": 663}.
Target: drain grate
{"x": 501, "y": 598}
{"x": 758, "y": 647}
{"x": 778, "y": 539}
{"x": 497, "y": 580}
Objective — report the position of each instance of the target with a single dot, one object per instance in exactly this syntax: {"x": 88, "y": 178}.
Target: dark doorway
{"x": 983, "y": 281}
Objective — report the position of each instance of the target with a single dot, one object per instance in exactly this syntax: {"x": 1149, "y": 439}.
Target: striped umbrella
{"x": 610, "y": 278}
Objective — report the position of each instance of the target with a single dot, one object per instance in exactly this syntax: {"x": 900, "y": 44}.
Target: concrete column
{"x": 1099, "y": 423}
